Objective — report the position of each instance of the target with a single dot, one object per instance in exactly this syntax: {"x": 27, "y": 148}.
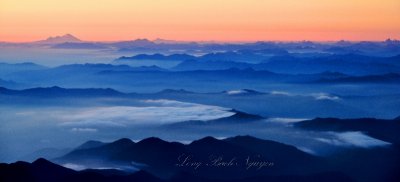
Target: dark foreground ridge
{"x": 208, "y": 159}
{"x": 44, "y": 170}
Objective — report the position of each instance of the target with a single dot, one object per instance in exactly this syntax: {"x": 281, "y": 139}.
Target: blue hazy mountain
{"x": 147, "y": 78}
{"x": 342, "y": 50}
{"x": 90, "y": 144}
{"x": 79, "y": 45}
{"x": 73, "y": 72}
{"x": 95, "y": 68}
{"x": 191, "y": 65}
{"x": 172, "y": 57}
{"x": 103, "y": 67}
{"x": 384, "y": 78}
{"x": 236, "y": 56}
{"x": 387, "y": 47}
{"x": 176, "y": 92}
{"x": 7, "y": 68}
{"x": 349, "y": 63}
{"x": 60, "y": 92}
{"x": 8, "y": 84}
{"x": 91, "y": 67}
{"x": 48, "y": 153}
{"x": 267, "y": 104}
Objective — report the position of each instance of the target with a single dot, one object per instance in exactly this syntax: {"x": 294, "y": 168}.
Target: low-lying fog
{"x": 26, "y": 129}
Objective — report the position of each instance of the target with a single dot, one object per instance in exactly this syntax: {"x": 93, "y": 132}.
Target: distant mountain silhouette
{"x": 384, "y": 78}
{"x": 134, "y": 45}
{"x": 174, "y": 91}
{"x": 98, "y": 68}
{"x": 48, "y": 153}
{"x": 237, "y": 56}
{"x": 61, "y": 92}
{"x": 342, "y": 49}
{"x": 172, "y": 57}
{"x": 210, "y": 65}
{"x": 37, "y": 72}
{"x": 117, "y": 76}
{"x": 349, "y": 63}
{"x": 56, "y": 91}
{"x": 79, "y": 45}
{"x": 354, "y": 64}
{"x": 245, "y": 52}
{"x": 59, "y": 39}
{"x": 167, "y": 41}
{"x": 6, "y": 83}
{"x": 7, "y": 68}
{"x": 90, "y": 144}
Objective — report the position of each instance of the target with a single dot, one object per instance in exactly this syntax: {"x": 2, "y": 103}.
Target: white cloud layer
{"x": 237, "y": 92}
{"x": 153, "y": 112}
{"x": 325, "y": 96}
{"x": 356, "y": 138}
{"x": 80, "y": 167}
{"x": 281, "y": 93}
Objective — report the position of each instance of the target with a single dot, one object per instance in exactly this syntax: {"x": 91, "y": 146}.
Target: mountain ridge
{"x": 59, "y": 39}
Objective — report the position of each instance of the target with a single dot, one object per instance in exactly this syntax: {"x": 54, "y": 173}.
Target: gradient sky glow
{"x": 222, "y": 20}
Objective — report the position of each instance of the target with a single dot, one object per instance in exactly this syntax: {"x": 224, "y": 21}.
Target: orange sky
{"x": 221, "y": 20}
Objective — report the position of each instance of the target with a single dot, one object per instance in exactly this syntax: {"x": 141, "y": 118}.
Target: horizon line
{"x": 209, "y": 40}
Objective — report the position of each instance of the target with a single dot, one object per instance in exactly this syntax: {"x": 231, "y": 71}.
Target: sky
{"x": 200, "y": 20}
